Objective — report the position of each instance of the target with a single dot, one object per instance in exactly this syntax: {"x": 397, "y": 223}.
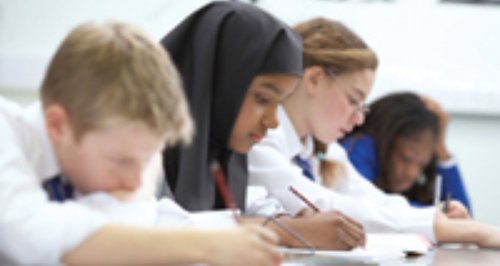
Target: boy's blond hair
{"x": 103, "y": 73}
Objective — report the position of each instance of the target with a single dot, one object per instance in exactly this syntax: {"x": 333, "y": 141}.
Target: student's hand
{"x": 443, "y": 118}
{"x": 248, "y": 245}
{"x": 327, "y": 230}
{"x": 456, "y": 210}
{"x": 490, "y": 237}
{"x": 466, "y": 232}
{"x": 305, "y": 212}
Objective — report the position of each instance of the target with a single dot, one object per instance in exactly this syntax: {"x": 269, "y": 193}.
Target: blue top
{"x": 363, "y": 156}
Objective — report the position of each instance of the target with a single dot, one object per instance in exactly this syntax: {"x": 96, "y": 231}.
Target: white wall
{"x": 407, "y": 35}
{"x": 475, "y": 143}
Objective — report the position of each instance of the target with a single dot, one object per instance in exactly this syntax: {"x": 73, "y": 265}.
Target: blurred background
{"x": 449, "y": 50}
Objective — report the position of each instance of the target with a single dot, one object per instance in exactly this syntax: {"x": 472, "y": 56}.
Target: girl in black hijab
{"x": 237, "y": 63}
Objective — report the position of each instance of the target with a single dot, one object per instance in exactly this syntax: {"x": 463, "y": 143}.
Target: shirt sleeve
{"x": 270, "y": 168}
{"x": 260, "y": 203}
{"x": 392, "y": 212}
{"x": 362, "y": 154}
{"x": 34, "y": 230}
{"x": 453, "y": 184}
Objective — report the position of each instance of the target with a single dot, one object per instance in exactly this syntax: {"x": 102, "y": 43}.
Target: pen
{"x": 289, "y": 231}
{"x": 220, "y": 181}
{"x": 446, "y": 206}
{"x": 437, "y": 191}
{"x": 304, "y": 199}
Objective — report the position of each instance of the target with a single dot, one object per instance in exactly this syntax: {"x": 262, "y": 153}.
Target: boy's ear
{"x": 57, "y": 122}
{"x": 312, "y": 78}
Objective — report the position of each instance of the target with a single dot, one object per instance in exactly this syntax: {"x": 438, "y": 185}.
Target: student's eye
{"x": 405, "y": 159}
{"x": 262, "y": 100}
{"x": 353, "y": 101}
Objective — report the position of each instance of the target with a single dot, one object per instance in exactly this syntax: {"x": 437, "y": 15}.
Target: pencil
{"x": 220, "y": 181}
{"x": 289, "y": 231}
{"x": 304, "y": 199}
{"x": 437, "y": 191}
{"x": 446, "y": 206}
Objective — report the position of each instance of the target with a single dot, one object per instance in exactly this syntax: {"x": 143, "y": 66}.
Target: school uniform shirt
{"x": 363, "y": 155}
{"x": 34, "y": 230}
{"x": 37, "y": 231}
{"x": 273, "y": 164}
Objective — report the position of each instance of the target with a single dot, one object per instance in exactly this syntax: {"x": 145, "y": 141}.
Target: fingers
{"x": 270, "y": 254}
{"x": 263, "y": 243}
{"x": 265, "y": 234}
{"x": 351, "y": 233}
{"x": 354, "y": 223}
{"x": 266, "y": 245}
{"x": 457, "y": 210}
{"x": 433, "y": 106}
{"x": 346, "y": 241}
{"x": 306, "y": 212}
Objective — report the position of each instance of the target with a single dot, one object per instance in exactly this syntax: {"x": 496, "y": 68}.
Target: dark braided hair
{"x": 396, "y": 115}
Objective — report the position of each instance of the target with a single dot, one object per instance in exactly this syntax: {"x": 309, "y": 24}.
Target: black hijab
{"x": 218, "y": 50}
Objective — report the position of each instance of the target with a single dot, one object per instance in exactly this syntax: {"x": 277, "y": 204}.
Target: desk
{"x": 457, "y": 256}
{"x": 441, "y": 256}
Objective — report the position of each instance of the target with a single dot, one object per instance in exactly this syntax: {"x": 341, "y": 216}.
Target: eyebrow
{"x": 271, "y": 87}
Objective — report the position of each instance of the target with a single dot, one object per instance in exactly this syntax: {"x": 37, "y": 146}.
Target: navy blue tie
{"x": 58, "y": 189}
{"x": 306, "y": 167}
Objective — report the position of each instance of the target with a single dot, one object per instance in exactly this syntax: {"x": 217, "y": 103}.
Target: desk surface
{"x": 445, "y": 256}
{"x": 442, "y": 256}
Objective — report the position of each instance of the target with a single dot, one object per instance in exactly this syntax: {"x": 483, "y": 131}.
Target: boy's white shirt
{"x": 271, "y": 166}
{"x": 36, "y": 231}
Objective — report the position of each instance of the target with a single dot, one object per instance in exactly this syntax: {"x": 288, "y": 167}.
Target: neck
{"x": 296, "y": 109}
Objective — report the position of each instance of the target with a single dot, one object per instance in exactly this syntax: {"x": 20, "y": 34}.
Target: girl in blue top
{"x": 401, "y": 148}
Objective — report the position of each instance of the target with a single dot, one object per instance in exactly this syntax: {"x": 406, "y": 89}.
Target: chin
{"x": 241, "y": 148}
{"x": 402, "y": 189}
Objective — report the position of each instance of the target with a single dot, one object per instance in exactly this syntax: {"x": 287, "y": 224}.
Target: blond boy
{"x": 111, "y": 99}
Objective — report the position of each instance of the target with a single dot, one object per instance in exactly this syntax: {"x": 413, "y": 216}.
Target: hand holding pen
{"x": 455, "y": 210}
{"x": 331, "y": 229}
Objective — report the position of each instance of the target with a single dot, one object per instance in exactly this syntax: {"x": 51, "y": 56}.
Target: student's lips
{"x": 256, "y": 138}
{"x": 343, "y": 132}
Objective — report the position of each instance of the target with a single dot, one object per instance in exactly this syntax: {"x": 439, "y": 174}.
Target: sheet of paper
{"x": 410, "y": 244}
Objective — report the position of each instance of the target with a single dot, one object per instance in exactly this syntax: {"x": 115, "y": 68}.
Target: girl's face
{"x": 258, "y": 111}
{"x": 337, "y": 104}
{"x": 409, "y": 158}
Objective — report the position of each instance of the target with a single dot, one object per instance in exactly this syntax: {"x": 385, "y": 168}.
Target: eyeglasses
{"x": 360, "y": 108}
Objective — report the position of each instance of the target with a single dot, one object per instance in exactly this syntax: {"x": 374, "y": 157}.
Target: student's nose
{"x": 270, "y": 119}
{"x": 358, "y": 118}
{"x": 413, "y": 172}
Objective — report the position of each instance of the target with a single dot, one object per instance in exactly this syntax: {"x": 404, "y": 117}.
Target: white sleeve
{"x": 400, "y": 215}
{"x": 34, "y": 230}
{"x": 270, "y": 168}
{"x": 260, "y": 203}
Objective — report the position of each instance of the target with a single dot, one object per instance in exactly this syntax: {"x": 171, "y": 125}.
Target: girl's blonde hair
{"x": 334, "y": 47}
